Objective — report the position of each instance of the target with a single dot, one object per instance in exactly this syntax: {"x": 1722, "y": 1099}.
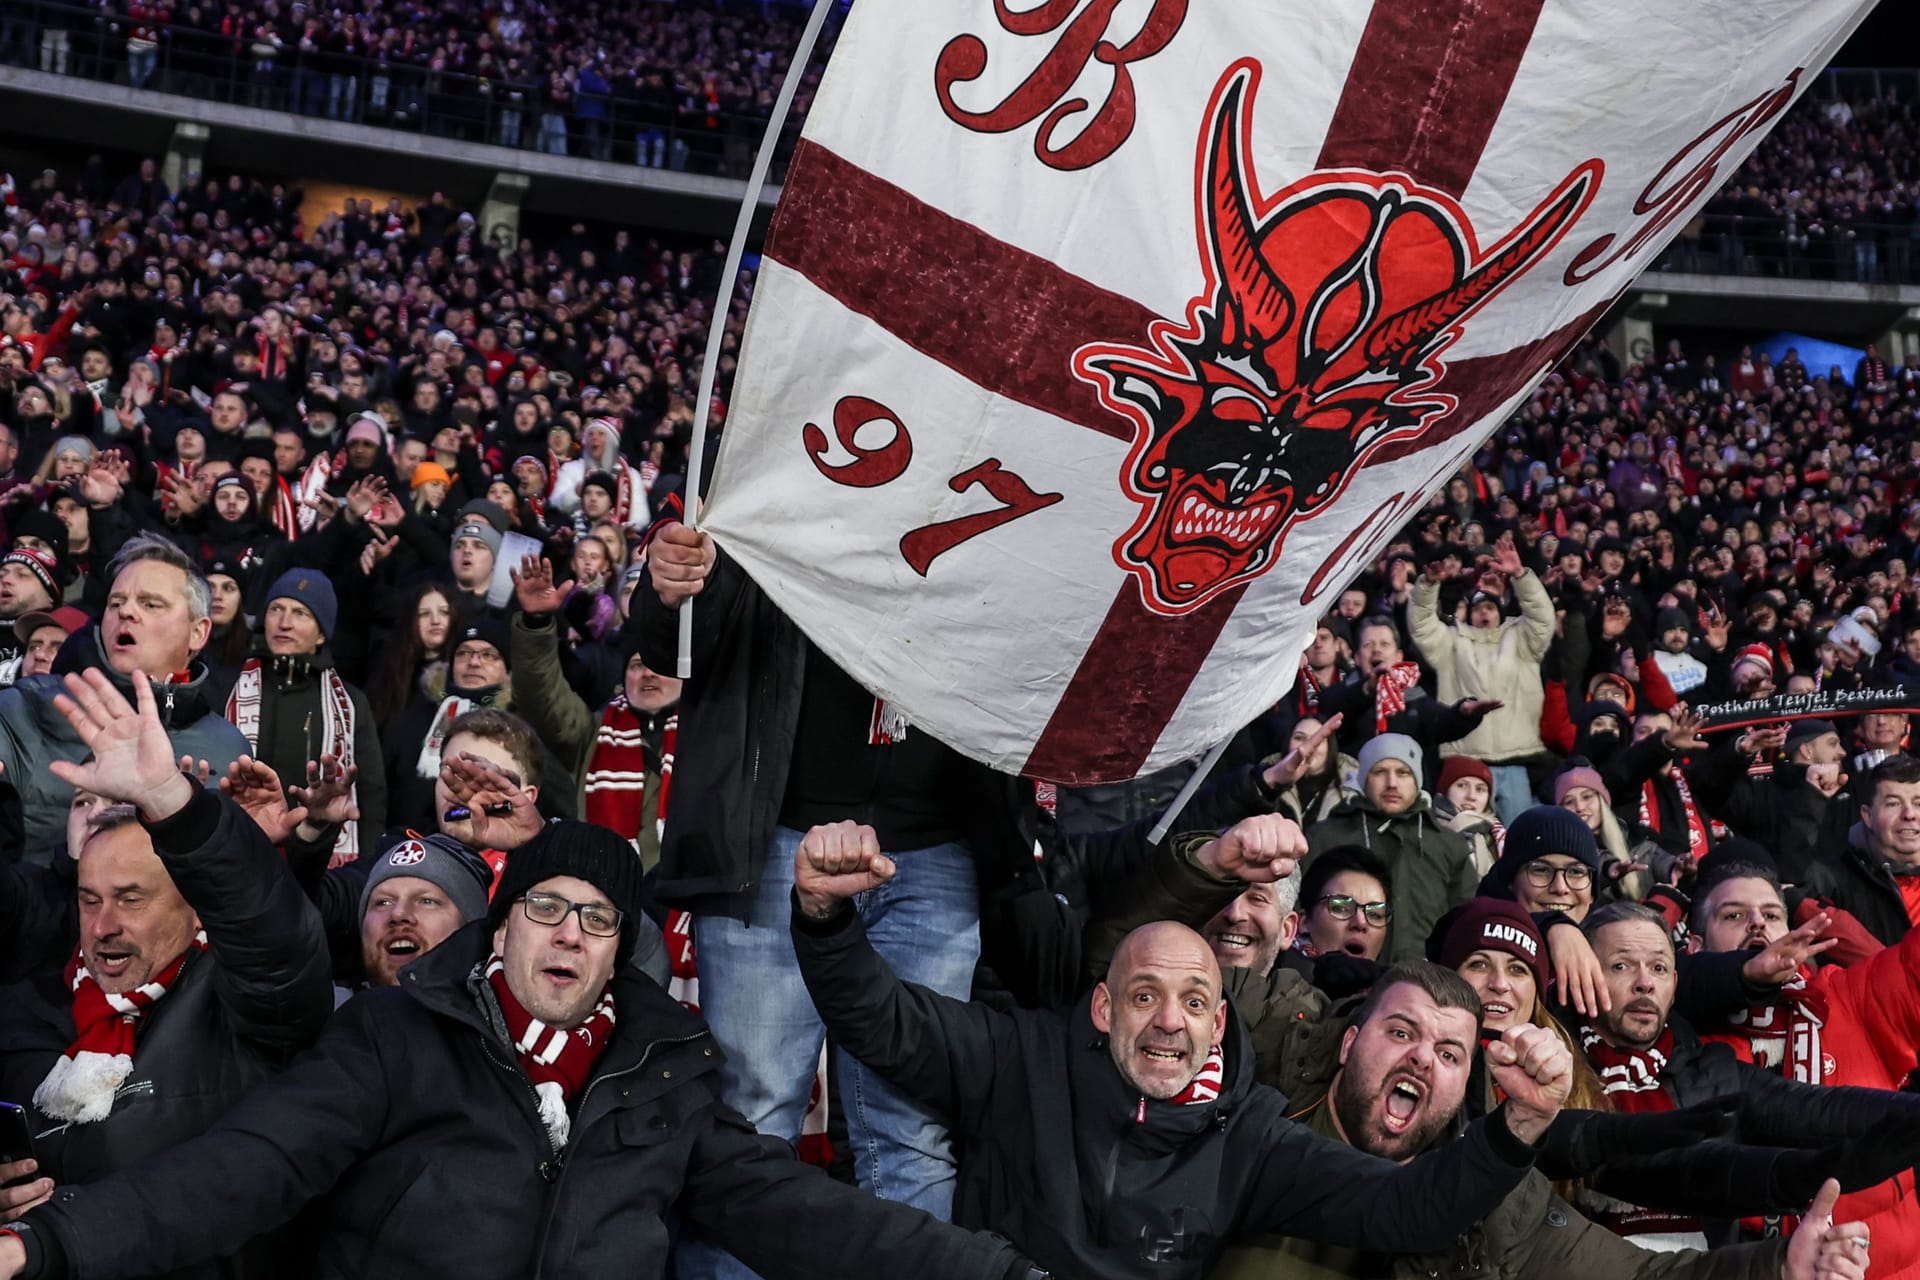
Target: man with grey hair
{"x": 157, "y": 618}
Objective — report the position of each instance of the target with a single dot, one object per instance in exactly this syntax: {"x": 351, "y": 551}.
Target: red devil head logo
{"x": 1317, "y": 341}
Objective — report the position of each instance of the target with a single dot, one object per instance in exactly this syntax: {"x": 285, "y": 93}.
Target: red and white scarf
{"x": 1696, "y": 825}
{"x": 1391, "y": 699}
{"x": 336, "y": 732}
{"x": 313, "y": 483}
{"x": 1631, "y": 1077}
{"x": 558, "y": 1062}
{"x": 1783, "y": 1035}
{"x": 1203, "y": 1088}
{"x": 81, "y": 1087}
{"x": 286, "y": 518}
{"x": 616, "y": 783}
{"x": 1205, "y": 1085}
{"x": 451, "y": 708}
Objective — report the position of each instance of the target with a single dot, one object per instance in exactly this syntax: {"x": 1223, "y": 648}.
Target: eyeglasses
{"x": 1540, "y": 875}
{"x": 1341, "y": 906}
{"x": 596, "y": 919}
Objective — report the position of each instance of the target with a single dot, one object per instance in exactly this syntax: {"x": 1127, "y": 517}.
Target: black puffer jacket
{"x": 415, "y": 1127}
{"x": 1091, "y": 1179}
{"x": 238, "y": 1012}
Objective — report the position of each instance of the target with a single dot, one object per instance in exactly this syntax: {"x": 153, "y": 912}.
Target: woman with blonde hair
{"x": 1631, "y": 861}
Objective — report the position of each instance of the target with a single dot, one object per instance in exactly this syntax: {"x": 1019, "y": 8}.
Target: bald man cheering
{"x": 1125, "y": 1136}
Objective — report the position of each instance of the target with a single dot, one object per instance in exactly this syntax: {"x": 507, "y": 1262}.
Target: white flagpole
{"x": 1165, "y": 824}
{"x": 716, "y": 328}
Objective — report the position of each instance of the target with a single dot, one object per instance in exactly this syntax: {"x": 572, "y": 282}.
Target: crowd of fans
{"x": 666, "y": 85}
{"x": 1830, "y": 193}
{"x": 343, "y": 566}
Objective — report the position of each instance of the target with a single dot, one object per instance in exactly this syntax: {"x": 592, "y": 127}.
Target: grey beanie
{"x": 1389, "y": 746}
{"x": 481, "y": 530}
{"x": 441, "y": 860}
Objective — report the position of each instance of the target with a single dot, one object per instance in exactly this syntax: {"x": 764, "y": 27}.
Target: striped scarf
{"x": 558, "y": 1062}
{"x": 81, "y": 1087}
{"x": 1631, "y": 1077}
{"x": 616, "y": 783}
{"x": 1391, "y": 699}
{"x": 336, "y": 732}
{"x": 1205, "y": 1085}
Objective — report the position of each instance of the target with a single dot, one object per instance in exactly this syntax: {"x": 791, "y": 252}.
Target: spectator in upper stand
{"x": 1393, "y": 817}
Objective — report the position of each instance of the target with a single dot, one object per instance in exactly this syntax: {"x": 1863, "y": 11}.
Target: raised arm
{"x": 937, "y": 1049}
{"x": 273, "y": 971}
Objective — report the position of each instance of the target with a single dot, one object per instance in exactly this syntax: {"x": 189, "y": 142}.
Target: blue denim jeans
{"x": 925, "y": 923}
{"x": 1512, "y": 791}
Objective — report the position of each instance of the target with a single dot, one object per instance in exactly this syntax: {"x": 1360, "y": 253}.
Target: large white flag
{"x": 1100, "y": 342}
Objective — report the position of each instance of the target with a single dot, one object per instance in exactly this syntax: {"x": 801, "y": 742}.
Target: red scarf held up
{"x": 558, "y": 1062}
{"x": 81, "y": 1086}
{"x": 1392, "y": 697}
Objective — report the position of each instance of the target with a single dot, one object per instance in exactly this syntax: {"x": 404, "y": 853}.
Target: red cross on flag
{"x": 1099, "y": 343}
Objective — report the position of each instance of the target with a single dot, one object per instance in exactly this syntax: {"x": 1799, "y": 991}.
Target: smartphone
{"x": 16, "y": 1139}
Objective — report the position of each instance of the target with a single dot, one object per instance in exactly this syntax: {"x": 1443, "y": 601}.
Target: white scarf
{"x": 336, "y": 729}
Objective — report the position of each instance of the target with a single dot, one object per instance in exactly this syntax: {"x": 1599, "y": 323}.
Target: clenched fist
{"x": 1535, "y": 1070}
{"x": 1263, "y": 849}
{"x": 834, "y": 863}
{"x": 679, "y": 560}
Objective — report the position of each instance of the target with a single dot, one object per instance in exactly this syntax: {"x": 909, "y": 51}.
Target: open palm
{"x": 133, "y": 759}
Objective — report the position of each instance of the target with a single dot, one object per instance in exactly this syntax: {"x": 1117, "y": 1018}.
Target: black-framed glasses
{"x": 596, "y": 918}
{"x": 1540, "y": 875}
{"x": 1341, "y": 906}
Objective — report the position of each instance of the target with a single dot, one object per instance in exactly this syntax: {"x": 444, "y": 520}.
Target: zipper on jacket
{"x": 534, "y": 1095}
{"x": 553, "y": 1171}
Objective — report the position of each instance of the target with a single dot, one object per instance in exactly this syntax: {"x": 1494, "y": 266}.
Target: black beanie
{"x": 1541, "y": 830}
{"x": 586, "y": 852}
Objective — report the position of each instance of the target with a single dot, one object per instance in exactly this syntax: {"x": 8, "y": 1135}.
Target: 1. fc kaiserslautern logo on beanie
{"x": 1317, "y": 340}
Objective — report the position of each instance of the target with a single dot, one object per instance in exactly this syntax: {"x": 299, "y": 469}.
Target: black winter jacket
{"x": 1855, "y": 878}
{"x": 292, "y": 726}
{"x": 1089, "y": 1178}
{"x": 739, "y": 715}
{"x": 237, "y": 1013}
{"x": 415, "y": 1128}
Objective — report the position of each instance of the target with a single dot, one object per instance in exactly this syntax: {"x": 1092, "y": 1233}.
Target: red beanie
{"x": 1494, "y": 924}
{"x": 1455, "y": 768}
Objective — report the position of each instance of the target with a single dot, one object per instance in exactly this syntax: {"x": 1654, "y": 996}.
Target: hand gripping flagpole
{"x": 717, "y": 326}
{"x": 1200, "y": 773}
